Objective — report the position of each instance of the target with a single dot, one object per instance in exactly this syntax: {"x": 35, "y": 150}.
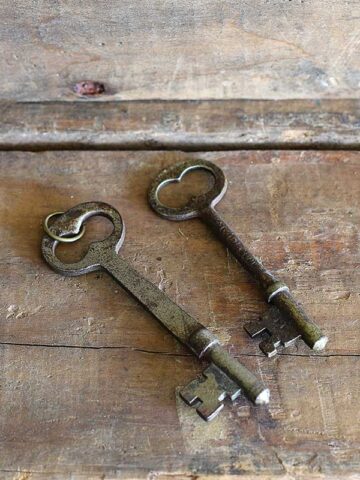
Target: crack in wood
{"x": 172, "y": 354}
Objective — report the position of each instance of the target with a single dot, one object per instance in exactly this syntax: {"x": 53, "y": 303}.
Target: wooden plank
{"x": 176, "y": 50}
{"x": 180, "y": 125}
{"x": 115, "y": 413}
{"x": 295, "y": 210}
{"x": 89, "y": 380}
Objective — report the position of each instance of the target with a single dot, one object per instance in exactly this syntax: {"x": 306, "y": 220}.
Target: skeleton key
{"x": 285, "y": 321}
{"x": 224, "y": 377}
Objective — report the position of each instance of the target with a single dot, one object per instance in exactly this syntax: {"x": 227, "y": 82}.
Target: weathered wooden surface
{"x": 185, "y": 125}
{"x": 88, "y": 379}
{"x": 180, "y": 49}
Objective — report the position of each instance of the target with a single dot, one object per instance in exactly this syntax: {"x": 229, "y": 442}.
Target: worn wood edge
{"x": 74, "y": 475}
{"x": 181, "y": 125}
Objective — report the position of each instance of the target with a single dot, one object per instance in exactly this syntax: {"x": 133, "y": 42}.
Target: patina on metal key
{"x": 224, "y": 377}
{"x": 285, "y": 321}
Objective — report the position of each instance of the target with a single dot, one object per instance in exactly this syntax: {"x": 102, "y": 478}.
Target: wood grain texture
{"x": 185, "y": 125}
{"x": 180, "y": 49}
{"x": 88, "y": 379}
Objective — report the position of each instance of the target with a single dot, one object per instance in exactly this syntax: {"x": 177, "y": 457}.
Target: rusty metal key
{"x": 225, "y": 377}
{"x": 285, "y": 321}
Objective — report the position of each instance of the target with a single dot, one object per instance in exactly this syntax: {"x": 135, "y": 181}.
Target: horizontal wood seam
{"x": 188, "y": 125}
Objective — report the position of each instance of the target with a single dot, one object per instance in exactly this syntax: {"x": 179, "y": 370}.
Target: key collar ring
{"x": 70, "y": 224}
{"x": 52, "y": 235}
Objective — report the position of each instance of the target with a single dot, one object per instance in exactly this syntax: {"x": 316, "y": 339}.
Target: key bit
{"x": 226, "y": 376}
{"x": 279, "y": 331}
{"x": 276, "y": 293}
{"x": 208, "y": 392}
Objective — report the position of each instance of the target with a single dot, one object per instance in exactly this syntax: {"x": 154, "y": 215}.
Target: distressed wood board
{"x": 183, "y": 125}
{"x": 89, "y": 380}
{"x": 180, "y": 50}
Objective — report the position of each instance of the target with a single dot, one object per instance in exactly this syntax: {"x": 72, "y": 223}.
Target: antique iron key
{"x": 286, "y": 320}
{"x": 224, "y": 377}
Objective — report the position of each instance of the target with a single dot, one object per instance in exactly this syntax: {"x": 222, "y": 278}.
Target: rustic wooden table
{"x": 269, "y": 92}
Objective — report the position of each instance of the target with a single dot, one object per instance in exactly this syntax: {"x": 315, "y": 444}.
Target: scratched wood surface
{"x": 180, "y": 49}
{"x": 184, "y": 125}
{"x": 89, "y": 380}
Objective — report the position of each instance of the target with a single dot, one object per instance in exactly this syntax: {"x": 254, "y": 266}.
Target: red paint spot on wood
{"x": 89, "y": 87}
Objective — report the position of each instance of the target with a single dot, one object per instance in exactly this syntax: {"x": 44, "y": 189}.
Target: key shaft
{"x": 276, "y": 292}
{"x": 185, "y": 328}
{"x": 286, "y": 312}
{"x": 225, "y": 376}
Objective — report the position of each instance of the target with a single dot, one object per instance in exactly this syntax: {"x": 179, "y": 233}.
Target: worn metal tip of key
{"x": 320, "y": 344}
{"x": 263, "y": 398}
{"x": 225, "y": 376}
{"x": 295, "y": 323}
